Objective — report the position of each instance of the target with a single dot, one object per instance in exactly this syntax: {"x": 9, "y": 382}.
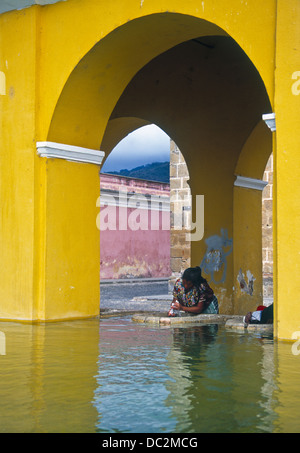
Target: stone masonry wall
{"x": 180, "y": 206}
{"x": 267, "y": 230}
{"x": 180, "y": 248}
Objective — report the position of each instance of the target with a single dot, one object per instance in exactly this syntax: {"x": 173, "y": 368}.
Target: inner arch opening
{"x": 146, "y": 162}
{"x": 207, "y": 95}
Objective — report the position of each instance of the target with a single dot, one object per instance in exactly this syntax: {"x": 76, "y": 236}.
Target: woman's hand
{"x": 196, "y": 309}
{"x": 177, "y": 306}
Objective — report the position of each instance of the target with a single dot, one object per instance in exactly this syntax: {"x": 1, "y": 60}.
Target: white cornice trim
{"x": 269, "y": 119}
{"x": 140, "y": 201}
{"x": 250, "y": 183}
{"x": 68, "y": 152}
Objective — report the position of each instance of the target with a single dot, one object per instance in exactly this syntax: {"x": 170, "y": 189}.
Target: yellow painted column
{"x": 247, "y": 233}
{"x": 18, "y": 160}
{"x": 72, "y": 241}
{"x": 287, "y": 170}
{"x": 49, "y": 240}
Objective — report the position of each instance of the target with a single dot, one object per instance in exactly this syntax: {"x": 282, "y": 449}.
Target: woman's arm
{"x": 196, "y": 309}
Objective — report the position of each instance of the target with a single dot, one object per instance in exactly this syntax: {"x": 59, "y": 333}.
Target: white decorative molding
{"x": 68, "y": 152}
{"x": 269, "y": 119}
{"x": 250, "y": 183}
{"x": 134, "y": 200}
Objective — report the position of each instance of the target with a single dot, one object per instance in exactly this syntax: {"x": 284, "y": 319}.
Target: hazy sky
{"x": 145, "y": 145}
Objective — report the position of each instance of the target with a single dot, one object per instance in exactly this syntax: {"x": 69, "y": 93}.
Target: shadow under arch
{"x": 207, "y": 95}
{"x": 255, "y": 152}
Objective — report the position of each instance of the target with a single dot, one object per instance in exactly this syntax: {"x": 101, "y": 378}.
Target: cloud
{"x": 143, "y": 146}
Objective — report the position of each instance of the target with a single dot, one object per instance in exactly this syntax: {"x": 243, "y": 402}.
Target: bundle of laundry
{"x": 262, "y": 315}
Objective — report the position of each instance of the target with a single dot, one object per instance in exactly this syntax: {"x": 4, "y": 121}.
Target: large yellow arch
{"x": 98, "y": 80}
{"x": 67, "y": 66}
{"x": 139, "y": 31}
{"x": 80, "y": 83}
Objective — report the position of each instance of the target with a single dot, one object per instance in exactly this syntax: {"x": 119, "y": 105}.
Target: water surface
{"x": 113, "y": 375}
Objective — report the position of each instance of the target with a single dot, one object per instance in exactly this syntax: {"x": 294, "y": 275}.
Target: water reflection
{"x": 219, "y": 381}
{"x": 64, "y": 377}
{"x": 132, "y": 376}
{"x": 47, "y": 377}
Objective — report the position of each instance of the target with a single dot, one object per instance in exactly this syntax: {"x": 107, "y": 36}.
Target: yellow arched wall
{"x": 255, "y": 152}
{"x": 100, "y": 78}
{"x": 247, "y": 219}
{"x": 66, "y": 66}
{"x": 117, "y": 129}
{"x": 131, "y": 34}
{"x": 89, "y": 99}
{"x": 77, "y": 78}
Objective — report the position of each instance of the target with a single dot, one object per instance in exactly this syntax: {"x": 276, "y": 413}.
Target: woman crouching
{"x": 193, "y": 294}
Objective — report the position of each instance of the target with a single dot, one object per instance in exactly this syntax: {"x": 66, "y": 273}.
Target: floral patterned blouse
{"x": 193, "y": 296}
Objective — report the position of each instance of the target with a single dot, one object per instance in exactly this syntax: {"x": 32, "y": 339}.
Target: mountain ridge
{"x": 156, "y": 171}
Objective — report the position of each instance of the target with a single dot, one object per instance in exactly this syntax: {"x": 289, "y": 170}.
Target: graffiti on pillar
{"x": 246, "y": 287}
{"x": 215, "y": 258}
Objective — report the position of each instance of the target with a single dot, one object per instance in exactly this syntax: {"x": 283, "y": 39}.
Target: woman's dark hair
{"x": 193, "y": 274}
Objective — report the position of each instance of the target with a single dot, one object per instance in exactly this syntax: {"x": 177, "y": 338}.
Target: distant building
{"x": 135, "y": 228}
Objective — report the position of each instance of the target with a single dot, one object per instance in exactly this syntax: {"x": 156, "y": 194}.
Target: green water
{"x": 114, "y": 375}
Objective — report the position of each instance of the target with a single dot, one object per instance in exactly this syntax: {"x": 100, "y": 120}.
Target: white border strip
{"x": 68, "y": 152}
{"x": 269, "y": 119}
{"x": 250, "y": 183}
{"x": 136, "y": 201}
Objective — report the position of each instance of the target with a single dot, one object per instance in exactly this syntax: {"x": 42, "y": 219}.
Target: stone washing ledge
{"x": 236, "y": 324}
{"x": 233, "y": 322}
{"x": 184, "y": 319}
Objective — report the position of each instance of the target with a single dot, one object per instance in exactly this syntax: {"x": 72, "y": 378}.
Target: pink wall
{"x": 114, "y": 182}
{"x": 138, "y": 245}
